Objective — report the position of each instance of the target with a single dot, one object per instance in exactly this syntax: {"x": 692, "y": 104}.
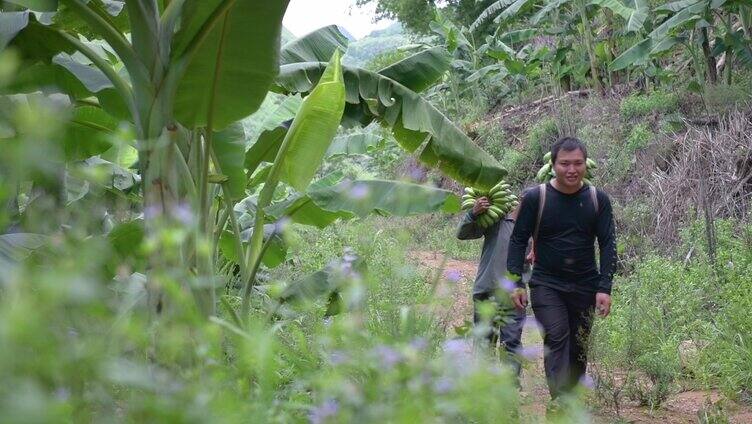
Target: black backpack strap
{"x": 594, "y": 196}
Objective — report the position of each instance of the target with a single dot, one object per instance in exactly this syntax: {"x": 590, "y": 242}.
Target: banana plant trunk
{"x": 588, "y": 37}
{"x": 709, "y": 58}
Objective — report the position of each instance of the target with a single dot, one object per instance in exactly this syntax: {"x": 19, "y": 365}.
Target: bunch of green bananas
{"x": 501, "y": 198}
{"x": 547, "y": 171}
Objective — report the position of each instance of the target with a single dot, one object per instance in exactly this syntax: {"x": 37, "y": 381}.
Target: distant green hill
{"x": 379, "y": 41}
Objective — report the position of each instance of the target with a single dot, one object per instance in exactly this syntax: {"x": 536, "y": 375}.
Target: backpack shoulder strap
{"x": 541, "y": 204}
{"x": 594, "y": 197}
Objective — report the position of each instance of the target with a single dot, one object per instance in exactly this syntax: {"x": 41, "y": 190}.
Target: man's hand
{"x": 481, "y": 205}
{"x": 519, "y": 298}
{"x": 602, "y": 304}
{"x": 530, "y": 258}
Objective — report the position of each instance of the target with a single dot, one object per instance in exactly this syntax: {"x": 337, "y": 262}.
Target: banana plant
{"x": 183, "y": 78}
{"x": 505, "y": 11}
{"x": 686, "y": 23}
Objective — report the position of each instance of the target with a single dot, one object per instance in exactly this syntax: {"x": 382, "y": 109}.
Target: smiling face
{"x": 570, "y": 168}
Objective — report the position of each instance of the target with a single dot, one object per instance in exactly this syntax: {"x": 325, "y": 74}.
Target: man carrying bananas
{"x": 506, "y": 322}
{"x": 564, "y": 217}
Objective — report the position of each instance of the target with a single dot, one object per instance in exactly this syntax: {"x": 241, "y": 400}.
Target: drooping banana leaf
{"x": 417, "y": 125}
{"x": 322, "y": 206}
{"x": 492, "y": 10}
{"x": 317, "y": 46}
{"x": 419, "y": 71}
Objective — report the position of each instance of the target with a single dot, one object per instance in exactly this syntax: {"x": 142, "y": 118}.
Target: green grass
{"x": 637, "y": 105}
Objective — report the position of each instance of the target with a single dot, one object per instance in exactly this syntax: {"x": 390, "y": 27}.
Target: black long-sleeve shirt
{"x": 565, "y": 246}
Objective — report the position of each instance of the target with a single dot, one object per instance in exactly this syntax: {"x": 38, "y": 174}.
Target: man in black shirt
{"x": 564, "y": 217}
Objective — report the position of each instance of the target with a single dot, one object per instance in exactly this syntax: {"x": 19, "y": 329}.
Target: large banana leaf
{"x": 322, "y": 206}
{"x": 615, "y": 6}
{"x": 676, "y": 6}
{"x": 274, "y": 255}
{"x": 545, "y": 10}
{"x": 91, "y": 77}
{"x": 658, "y": 40}
{"x": 512, "y": 10}
{"x": 233, "y": 66}
{"x": 89, "y": 133}
{"x": 11, "y": 23}
{"x": 354, "y": 143}
{"x": 314, "y": 127}
{"x": 16, "y": 247}
{"x": 492, "y": 10}
{"x": 421, "y": 70}
{"x": 317, "y": 46}
{"x": 265, "y": 148}
{"x": 229, "y": 146}
{"x": 417, "y": 125}
{"x": 639, "y": 16}
{"x": 518, "y": 36}
{"x": 36, "y": 5}
{"x": 275, "y": 110}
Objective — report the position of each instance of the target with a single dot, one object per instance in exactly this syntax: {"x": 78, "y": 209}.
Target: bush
{"x": 542, "y": 136}
{"x": 640, "y": 104}
{"x": 674, "y": 322}
{"x": 639, "y": 137}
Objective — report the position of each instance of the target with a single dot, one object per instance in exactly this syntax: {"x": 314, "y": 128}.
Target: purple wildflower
{"x": 338, "y": 357}
{"x": 443, "y": 386}
{"x": 152, "y": 211}
{"x": 452, "y": 275}
{"x": 587, "y": 381}
{"x": 417, "y": 174}
{"x": 531, "y": 352}
{"x": 388, "y": 356}
{"x": 281, "y": 224}
{"x": 457, "y": 347}
{"x": 62, "y": 394}
{"x": 359, "y": 191}
{"x": 532, "y": 324}
{"x": 321, "y": 413}
{"x": 183, "y": 213}
{"x": 349, "y": 255}
{"x": 419, "y": 343}
{"x": 508, "y": 284}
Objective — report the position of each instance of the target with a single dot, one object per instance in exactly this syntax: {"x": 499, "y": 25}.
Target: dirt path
{"x": 454, "y": 290}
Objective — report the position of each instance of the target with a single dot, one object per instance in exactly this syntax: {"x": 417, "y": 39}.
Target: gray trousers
{"x": 506, "y": 326}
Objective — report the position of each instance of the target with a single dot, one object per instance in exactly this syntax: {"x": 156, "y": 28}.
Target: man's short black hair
{"x": 567, "y": 144}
